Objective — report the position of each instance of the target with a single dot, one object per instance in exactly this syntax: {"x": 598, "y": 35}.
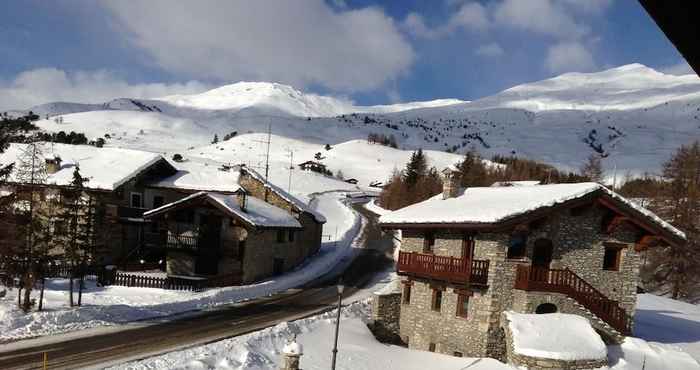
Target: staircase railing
{"x": 565, "y": 281}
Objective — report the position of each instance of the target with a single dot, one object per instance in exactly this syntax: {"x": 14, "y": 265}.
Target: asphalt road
{"x": 230, "y": 321}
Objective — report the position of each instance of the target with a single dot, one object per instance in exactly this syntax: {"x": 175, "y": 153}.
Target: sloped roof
{"x": 202, "y": 178}
{"x": 494, "y": 205}
{"x": 105, "y": 168}
{"x": 258, "y": 213}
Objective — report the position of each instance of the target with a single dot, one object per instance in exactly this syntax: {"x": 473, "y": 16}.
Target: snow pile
{"x": 112, "y": 305}
{"x": 556, "y": 336}
{"x": 638, "y": 354}
{"x": 357, "y": 349}
{"x": 375, "y": 208}
{"x": 105, "y": 168}
{"x": 293, "y": 348}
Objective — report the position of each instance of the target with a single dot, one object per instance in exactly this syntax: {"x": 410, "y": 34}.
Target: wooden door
{"x": 208, "y": 245}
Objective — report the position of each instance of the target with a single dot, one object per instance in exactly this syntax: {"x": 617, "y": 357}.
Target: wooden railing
{"x": 567, "y": 282}
{"x": 182, "y": 242}
{"x": 452, "y": 269}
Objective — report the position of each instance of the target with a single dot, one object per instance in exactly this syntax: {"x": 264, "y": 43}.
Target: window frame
{"x": 617, "y": 259}
{"x": 406, "y": 294}
{"x": 436, "y": 304}
{"x": 162, "y": 201}
{"x": 291, "y": 235}
{"x": 429, "y": 242}
{"x": 461, "y": 296}
{"x": 523, "y": 248}
{"x": 431, "y": 347}
{"x": 131, "y": 199}
{"x": 468, "y": 245}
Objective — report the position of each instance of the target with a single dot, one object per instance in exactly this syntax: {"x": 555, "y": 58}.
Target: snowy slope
{"x": 632, "y": 115}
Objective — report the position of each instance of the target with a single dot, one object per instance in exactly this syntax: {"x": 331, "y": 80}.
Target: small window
{"x": 431, "y": 347}
{"x": 462, "y": 305}
{"x": 158, "y": 201}
{"x": 291, "y": 235}
{"x": 457, "y": 354}
{"x": 136, "y": 200}
{"x": 437, "y": 300}
{"x": 407, "y": 294}
{"x": 468, "y": 246}
{"x": 518, "y": 245}
{"x": 428, "y": 242}
{"x": 611, "y": 259}
{"x": 281, "y": 236}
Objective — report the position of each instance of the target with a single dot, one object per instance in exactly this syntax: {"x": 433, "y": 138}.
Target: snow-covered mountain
{"x": 633, "y": 116}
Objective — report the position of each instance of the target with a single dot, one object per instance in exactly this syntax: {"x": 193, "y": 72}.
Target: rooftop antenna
{"x": 267, "y": 154}
{"x": 291, "y": 167}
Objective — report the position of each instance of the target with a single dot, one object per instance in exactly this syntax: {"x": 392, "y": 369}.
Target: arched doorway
{"x": 546, "y": 308}
{"x": 542, "y": 253}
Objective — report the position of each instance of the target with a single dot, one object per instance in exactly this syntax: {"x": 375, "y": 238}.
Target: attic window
{"x": 428, "y": 242}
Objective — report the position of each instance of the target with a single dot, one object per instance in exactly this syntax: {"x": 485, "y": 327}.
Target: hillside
{"x": 632, "y": 116}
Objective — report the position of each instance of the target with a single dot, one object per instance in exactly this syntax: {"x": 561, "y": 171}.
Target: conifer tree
{"x": 416, "y": 168}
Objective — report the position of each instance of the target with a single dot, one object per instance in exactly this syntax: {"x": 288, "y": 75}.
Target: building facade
{"x": 469, "y": 255}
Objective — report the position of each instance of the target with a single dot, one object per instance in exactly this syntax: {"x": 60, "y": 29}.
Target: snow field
{"x": 113, "y": 305}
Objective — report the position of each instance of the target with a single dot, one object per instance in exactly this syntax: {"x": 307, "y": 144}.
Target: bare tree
{"x": 593, "y": 168}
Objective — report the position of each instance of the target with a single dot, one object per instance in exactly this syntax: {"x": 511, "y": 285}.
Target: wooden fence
{"x": 170, "y": 283}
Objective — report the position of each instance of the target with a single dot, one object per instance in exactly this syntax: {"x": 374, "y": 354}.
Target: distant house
{"x": 469, "y": 255}
{"x": 313, "y": 166}
{"x": 351, "y": 181}
{"x": 200, "y": 222}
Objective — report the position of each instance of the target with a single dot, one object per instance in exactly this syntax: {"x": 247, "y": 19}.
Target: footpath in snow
{"x": 104, "y": 306}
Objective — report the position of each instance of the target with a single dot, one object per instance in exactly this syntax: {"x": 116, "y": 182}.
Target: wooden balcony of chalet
{"x": 451, "y": 269}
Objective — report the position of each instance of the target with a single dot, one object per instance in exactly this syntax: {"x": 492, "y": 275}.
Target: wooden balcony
{"x": 566, "y": 282}
{"x": 451, "y": 269}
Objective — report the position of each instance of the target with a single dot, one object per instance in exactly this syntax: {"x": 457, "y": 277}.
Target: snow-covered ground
{"x": 359, "y": 350}
{"x": 112, "y": 305}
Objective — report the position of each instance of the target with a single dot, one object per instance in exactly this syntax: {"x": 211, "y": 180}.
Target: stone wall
{"x": 539, "y": 363}
{"x": 386, "y": 312}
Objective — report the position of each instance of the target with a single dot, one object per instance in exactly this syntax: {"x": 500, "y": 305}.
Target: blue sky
{"x": 369, "y": 51}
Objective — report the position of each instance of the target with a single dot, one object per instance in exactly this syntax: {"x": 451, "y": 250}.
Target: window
{"x": 437, "y": 300}
{"x": 431, "y": 347}
{"x": 291, "y": 235}
{"x": 457, "y": 354}
{"x": 407, "y": 293}
{"x": 468, "y": 246}
{"x": 518, "y": 245}
{"x": 611, "y": 259}
{"x": 241, "y": 249}
{"x": 136, "y": 200}
{"x": 281, "y": 236}
{"x": 462, "y": 304}
{"x": 158, "y": 201}
{"x": 428, "y": 242}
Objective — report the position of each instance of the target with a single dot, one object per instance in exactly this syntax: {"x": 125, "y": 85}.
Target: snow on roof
{"x": 257, "y": 213}
{"x": 105, "y": 168}
{"x": 494, "y": 204}
{"x": 203, "y": 178}
{"x": 515, "y": 183}
{"x": 296, "y": 202}
{"x": 556, "y": 336}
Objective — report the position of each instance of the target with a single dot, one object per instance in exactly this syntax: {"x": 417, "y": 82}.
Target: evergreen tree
{"x": 216, "y": 139}
{"x": 416, "y": 168}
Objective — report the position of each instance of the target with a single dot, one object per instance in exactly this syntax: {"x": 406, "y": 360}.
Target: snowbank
{"x": 357, "y": 349}
{"x": 117, "y": 305}
{"x": 556, "y": 336}
{"x": 375, "y": 208}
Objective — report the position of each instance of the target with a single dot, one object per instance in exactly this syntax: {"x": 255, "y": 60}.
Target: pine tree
{"x": 416, "y": 168}
{"x": 216, "y": 139}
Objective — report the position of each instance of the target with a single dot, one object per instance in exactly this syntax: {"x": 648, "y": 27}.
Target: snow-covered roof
{"x": 489, "y": 205}
{"x": 556, "y": 336}
{"x": 203, "y": 178}
{"x": 105, "y": 168}
{"x": 296, "y": 202}
{"x": 258, "y": 213}
{"x": 515, "y": 183}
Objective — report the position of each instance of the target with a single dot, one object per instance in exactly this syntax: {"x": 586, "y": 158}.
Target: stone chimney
{"x": 242, "y": 197}
{"x": 291, "y": 355}
{"x": 450, "y": 182}
{"x": 53, "y": 164}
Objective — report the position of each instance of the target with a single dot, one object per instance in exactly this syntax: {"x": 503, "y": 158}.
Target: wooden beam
{"x": 615, "y": 223}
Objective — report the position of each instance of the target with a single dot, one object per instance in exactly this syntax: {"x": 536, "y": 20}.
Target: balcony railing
{"x": 452, "y": 269}
{"x": 182, "y": 242}
{"x": 567, "y": 282}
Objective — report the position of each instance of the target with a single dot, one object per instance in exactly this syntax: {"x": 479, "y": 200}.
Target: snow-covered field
{"x": 358, "y": 350}
{"x": 112, "y": 305}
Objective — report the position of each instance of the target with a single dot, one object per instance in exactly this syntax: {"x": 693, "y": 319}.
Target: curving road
{"x": 157, "y": 337}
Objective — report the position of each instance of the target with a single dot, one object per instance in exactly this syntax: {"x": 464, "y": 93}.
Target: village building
{"x": 214, "y": 222}
{"x": 313, "y": 166}
{"x": 470, "y": 255}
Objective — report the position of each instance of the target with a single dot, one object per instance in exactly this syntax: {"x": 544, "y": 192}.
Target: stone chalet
{"x": 147, "y": 209}
{"x": 469, "y": 255}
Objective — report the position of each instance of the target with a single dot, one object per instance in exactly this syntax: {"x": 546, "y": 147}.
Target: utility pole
{"x": 291, "y": 167}
{"x": 267, "y": 158}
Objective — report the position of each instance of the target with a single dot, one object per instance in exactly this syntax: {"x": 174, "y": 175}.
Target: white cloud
{"x": 679, "y": 69}
{"x": 569, "y": 57}
{"x": 540, "y": 16}
{"x": 489, "y": 50}
{"x": 44, "y": 85}
{"x": 470, "y": 16}
{"x": 296, "y": 42}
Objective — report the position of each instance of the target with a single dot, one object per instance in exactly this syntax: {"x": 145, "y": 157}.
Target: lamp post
{"x": 340, "y": 288}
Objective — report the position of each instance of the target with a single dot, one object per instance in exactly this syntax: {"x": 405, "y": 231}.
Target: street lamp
{"x": 340, "y": 288}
